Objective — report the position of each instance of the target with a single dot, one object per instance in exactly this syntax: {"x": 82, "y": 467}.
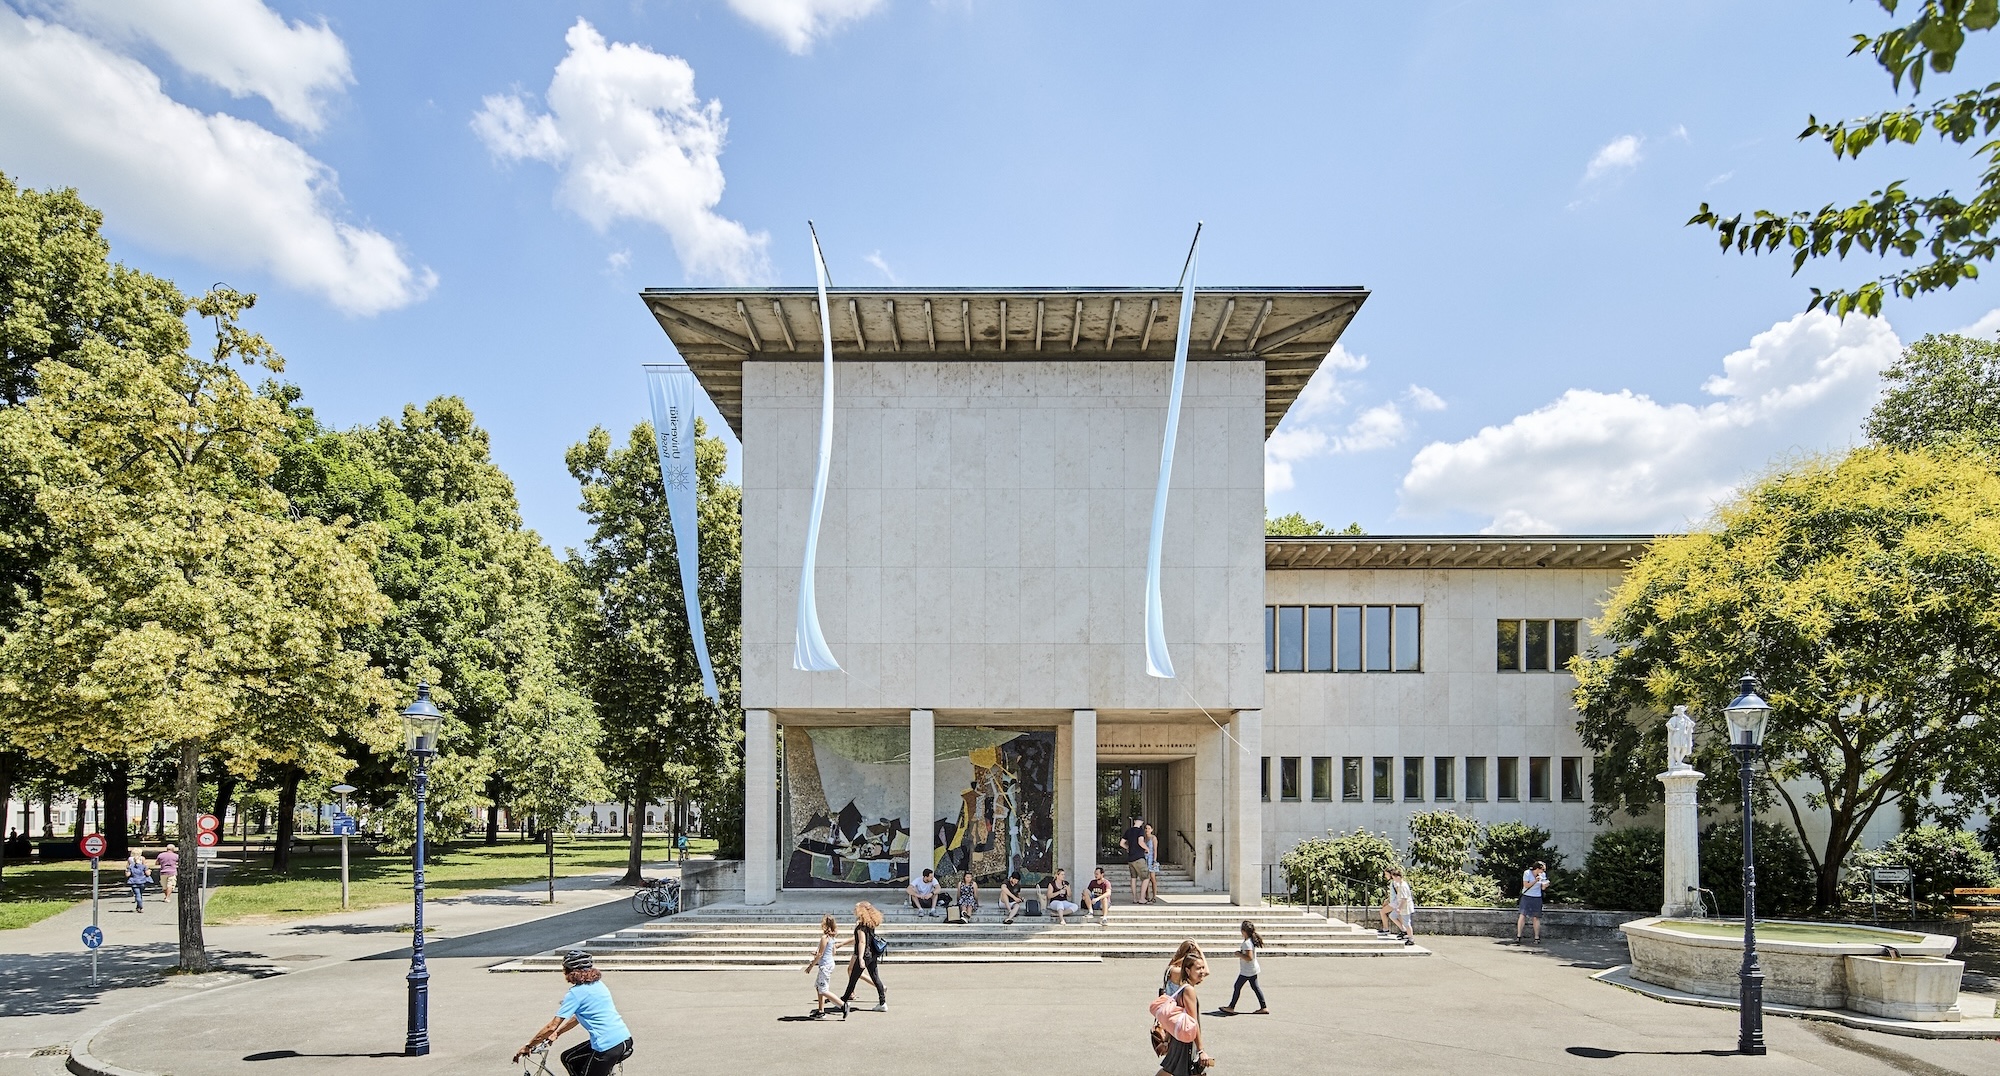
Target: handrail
{"x": 1194, "y": 858}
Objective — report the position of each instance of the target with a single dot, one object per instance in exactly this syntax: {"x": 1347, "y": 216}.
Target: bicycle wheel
{"x": 642, "y": 900}
{"x": 655, "y": 906}
{"x": 670, "y": 901}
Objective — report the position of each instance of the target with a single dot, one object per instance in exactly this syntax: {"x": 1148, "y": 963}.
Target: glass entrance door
{"x": 1125, "y": 793}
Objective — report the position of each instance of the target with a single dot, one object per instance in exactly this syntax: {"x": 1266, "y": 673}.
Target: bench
{"x": 1990, "y": 908}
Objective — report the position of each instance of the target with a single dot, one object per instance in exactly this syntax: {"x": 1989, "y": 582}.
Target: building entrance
{"x": 1125, "y": 792}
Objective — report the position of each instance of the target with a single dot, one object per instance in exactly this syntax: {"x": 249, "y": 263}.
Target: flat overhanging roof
{"x": 1290, "y": 330}
{"x": 1335, "y": 551}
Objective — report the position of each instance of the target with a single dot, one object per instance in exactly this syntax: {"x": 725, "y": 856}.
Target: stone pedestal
{"x": 1683, "y": 860}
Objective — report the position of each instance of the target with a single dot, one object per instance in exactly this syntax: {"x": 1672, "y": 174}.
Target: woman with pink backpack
{"x": 1176, "y": 1016}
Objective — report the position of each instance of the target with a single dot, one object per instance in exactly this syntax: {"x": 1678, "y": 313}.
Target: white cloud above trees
{"x": 213, "y": 187}
{"x": 1625, "y": 462}
{"x": 797, "y": 24}
{"x": 1319, "y": 424}
{"x": 1618, "y": 156}
{"x": 631, "y": 141}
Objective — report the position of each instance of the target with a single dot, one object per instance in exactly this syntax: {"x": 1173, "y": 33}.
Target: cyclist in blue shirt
{"x": 588, "y": 1003}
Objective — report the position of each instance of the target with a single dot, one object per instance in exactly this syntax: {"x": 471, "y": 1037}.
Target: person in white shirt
{"x": 1399, "y": 907}
{"x": 1534, "y": 883}
{"x": 1247, "y": 970}
{"x": 925, "y": 893}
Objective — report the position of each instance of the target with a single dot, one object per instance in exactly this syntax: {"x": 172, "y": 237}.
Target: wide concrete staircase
{"x": 782, "y": 935}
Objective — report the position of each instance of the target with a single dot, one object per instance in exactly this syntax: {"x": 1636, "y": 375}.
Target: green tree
{"x": 1296, "y": 525}
{"x": 1861, "y": 591}
{"x": 1950, "y": 236}
{"x": 1941, "y": 390}
{"x": 641, "y": 667}
{"x": 181, "y": 606}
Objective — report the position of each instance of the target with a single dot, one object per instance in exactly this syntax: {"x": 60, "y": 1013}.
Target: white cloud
{"x": 1987, "y": 325}
{"x": 617, "y": 260}
{"x": 798, "y": 23}
{"x": 1312, "y": 429}
{"x": 632, "y": 142}
{"x": 1598, "y": 461}
{"x": 239, "y": 45}
{"x": 1719, "y": 180}
{"x": 881, "y": 265}
{"x": 1621, "y": 154}
{"x": 213, "y": 187}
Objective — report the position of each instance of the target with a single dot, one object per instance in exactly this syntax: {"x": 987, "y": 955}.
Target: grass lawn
{"x": 30, "y": 893}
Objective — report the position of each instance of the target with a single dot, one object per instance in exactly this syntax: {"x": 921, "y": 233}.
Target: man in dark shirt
{"x": 1134, "y": 846}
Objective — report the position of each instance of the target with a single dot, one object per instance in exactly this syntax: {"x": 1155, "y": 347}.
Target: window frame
{"x": 1288, "y": 774}
{"x": 1350, "y": 779}
{"x": 1508, "y": 787}
{"x": 1413, "y": 766}
{"x": 1322, "y": 768}
{"x": 1538, "y": 774}
{"x": 1266, "y": 779}
{"x": 1571, "y": 779}
{"x": 1282, "y": 656}
{"x": 1382, "y": 775}
{"x": 1397, "y": 663}
{"x": 1444, "y": 788}
{"x": 1558, "y": 661}
{"x": 1506, "y": 651}
{"x": 1313, "y": 634}
{"x": 1475, "y": 791}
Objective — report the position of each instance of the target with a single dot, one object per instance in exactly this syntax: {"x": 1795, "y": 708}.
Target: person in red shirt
{"x": 1097, "y": 898}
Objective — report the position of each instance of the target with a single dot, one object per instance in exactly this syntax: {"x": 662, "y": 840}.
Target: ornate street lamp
{"x": 1747, "y": 715}
{"x": 420, "y": 723}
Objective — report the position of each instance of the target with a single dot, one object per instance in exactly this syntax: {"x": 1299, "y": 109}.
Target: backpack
{"x": 1167, "y": 1014}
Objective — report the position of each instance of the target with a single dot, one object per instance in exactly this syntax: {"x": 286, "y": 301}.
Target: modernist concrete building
{"x": 980, "y": 579}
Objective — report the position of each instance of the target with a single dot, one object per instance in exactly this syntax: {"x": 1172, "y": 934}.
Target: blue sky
{"x": 465, "y": 198}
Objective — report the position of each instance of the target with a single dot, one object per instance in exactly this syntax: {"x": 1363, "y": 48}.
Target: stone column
{"x": 760, "y": 808}
{"x": 1083, "y": 796}
{"x": 1246, "y": 815}
{"x": 923, "y": 791}
{"x": 1683, "y": 862}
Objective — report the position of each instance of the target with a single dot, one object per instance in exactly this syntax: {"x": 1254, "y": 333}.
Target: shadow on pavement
{"x": 1597, "y": 1053}
{"x": 280, "y": 1055}
{"x": 345, "y": 928}
{"x": 527, "y": 939}
{"x": 59, "y": 983}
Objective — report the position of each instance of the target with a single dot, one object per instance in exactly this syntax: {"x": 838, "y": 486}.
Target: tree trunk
{"x": 82, "y": 811}
{"x": 48, "y": 814}
{"x": 288, "y": 810}
{"x": 225, "y": 790}
{"x": 636, "y": 854}
{"x": 162, "y": 831}
{"x": 144, "y": 836}
{"x": 193, "y": 949}
{"x": 492, "y": 813}
{"x": 117, "y": 812}
{"x": 6, "y": 797}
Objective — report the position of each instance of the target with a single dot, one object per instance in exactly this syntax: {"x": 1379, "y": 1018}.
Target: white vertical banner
{"x": 809, "y": 650}
{"x": 1158, "y": 663}
{"x": 671, "y": 387}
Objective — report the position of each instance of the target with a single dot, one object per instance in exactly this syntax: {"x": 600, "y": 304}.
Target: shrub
{"x": 1343, "y": 869}
{"x": 1441, "y": 842}
{"x": 1462, "y": 889}
{"x": 1939, "y": 861}
{"x": 1508, "y": 848}
{"x": 1625, "y": 870}
{"x": 1785, "y": 883}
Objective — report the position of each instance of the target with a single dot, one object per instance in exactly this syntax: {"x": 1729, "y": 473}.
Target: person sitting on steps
{"x": 925, "y": 893}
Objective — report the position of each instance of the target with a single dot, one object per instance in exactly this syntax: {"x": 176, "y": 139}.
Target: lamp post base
{"x": 418, "y": 1042}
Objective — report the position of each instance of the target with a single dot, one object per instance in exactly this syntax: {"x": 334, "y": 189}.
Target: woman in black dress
{"x": 867, "y": 920}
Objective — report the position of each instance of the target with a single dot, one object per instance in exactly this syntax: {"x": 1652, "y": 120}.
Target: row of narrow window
{"x": 1443, "y": 772}
{"x": 1343, "y": 638}
{"x": 1535, "y": 645}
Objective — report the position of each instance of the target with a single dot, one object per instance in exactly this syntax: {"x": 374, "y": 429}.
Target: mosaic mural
{"x": 847, "y": 798}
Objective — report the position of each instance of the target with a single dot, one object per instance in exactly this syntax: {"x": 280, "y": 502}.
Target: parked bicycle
{"x": 662, "y": 896}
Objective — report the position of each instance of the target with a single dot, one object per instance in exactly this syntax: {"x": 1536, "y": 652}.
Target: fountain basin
{"x": 1898, "y": 973}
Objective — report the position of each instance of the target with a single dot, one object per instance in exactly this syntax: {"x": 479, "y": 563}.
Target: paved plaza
{"x": 1475, "y": 1006}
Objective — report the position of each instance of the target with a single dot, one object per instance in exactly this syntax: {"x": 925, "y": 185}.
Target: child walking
{"x": 1246, "y": 970}
{"x": 820, "y": 967}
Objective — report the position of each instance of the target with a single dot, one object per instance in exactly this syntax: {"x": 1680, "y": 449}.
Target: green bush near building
{"x": 1506, "y": 849}
{"x": 1625, "y": 870}
{"x": 1939, "y": 860}
{"x": 1785, "y": 878}
{"x": 1339, "y": 868}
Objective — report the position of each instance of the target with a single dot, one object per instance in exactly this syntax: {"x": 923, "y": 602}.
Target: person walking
{"x": 1183, "y": 1057}
{"x": 820, "y": 967}
{"x": 587, "y": 1003}
{"x": 1150, "y": 844}
{"x": 170, "y": 871}
{"x": 1399, "y": 907}
{"x": 1060, "y": 900}
{"x": 1132, "y": 843}
{"x": 1534, "y": 884}
{"x": 137, "y": 876}
{"x": 1246, "y": 970}
{"x": 868, "y": 948}
{"x": 1097, "y": 898}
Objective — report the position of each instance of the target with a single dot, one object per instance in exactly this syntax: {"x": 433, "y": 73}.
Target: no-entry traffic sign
{"x": 92, "y": 845}
{"x": 207, "y": 838}
{"x": 207, "y": 823}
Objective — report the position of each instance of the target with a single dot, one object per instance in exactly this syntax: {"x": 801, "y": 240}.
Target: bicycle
{"x": 659, "y": 897}
{"x": 528, "y": 1065}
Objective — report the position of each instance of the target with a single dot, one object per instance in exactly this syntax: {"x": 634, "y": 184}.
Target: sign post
{"x": 343, "y": 825}
{"x": 92, "y": 845}
{"x": 207, "y": 836}
{"x": 1895, "y": 877}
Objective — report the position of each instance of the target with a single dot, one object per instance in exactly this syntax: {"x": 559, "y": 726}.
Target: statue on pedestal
{"x": 1680, "y": 741}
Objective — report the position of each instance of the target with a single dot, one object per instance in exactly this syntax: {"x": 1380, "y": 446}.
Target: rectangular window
{"x": 1291, "y": 638}
{"x": 1413, "y": 778}
{"x": 1510, "y": 778}
{"x": 1319, "y": 638}
{"x": 1566, "y": 636}
{"x": 1350, "y": 779}
{"x": 1347, "y": 638}
{"x": 1475, "y": 778}
{"x": 1409, "y": 638}
{"x": 1322, "y": 779}
{"x": 1536, "y": 651}
{"x": 1270, "y": 639}
{"x": 1572, "y": 779}
{"x": 1383, "y": 793}
{"x": 1288, "y": 779}
{"x": 1538, "y": 779}
{"x": 1375, "y": 638}
{"x": 1508, "y": 644}
{"x": 1441, "y": 778}
{"x": 1264, "y": 778}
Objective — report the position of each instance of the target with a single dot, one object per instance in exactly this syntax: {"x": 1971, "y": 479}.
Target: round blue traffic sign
{"x": 92, "y": 937}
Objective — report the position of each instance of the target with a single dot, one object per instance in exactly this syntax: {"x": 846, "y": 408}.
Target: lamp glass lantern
{"x": 1747, "y": 715}
{"x": 420, "y": 723}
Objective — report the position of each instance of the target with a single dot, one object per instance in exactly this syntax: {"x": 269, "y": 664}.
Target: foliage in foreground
{"x": 1939, "y": 860}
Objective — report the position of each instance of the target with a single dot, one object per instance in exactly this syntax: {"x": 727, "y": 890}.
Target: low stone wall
{"x": 1499, "y": 922}
{"x": 713, "y": 881}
